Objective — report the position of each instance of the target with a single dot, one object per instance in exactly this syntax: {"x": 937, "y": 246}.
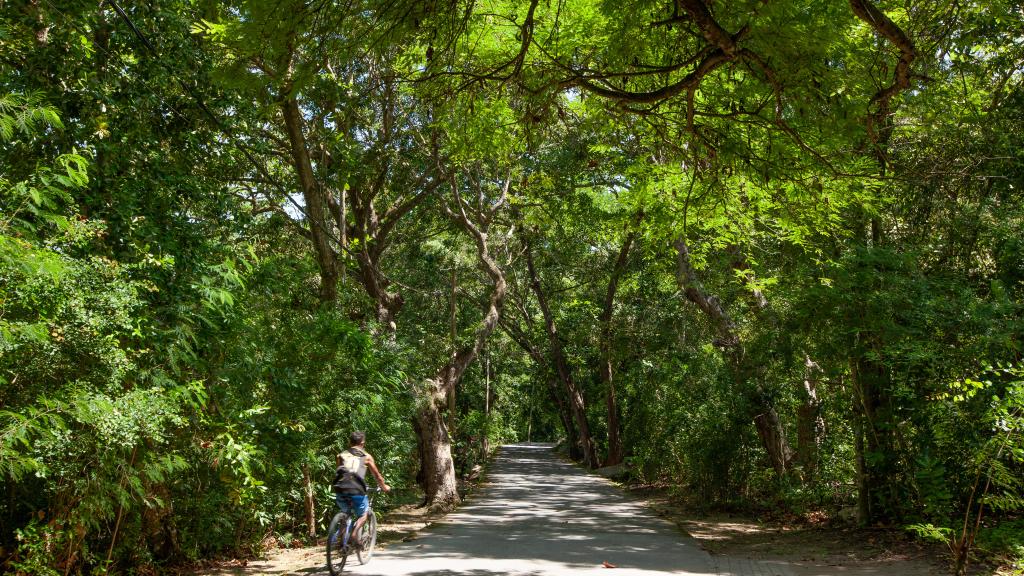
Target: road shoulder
{"x": 736, "y": 541}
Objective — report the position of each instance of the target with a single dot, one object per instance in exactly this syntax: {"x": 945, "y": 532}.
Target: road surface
{"x": 539, "y": 515}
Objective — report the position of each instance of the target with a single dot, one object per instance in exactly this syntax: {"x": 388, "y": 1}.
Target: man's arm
{"x": 371, "y": 464}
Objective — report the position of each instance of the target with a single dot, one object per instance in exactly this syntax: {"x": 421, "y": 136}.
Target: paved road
{"x": 541, "y": 516}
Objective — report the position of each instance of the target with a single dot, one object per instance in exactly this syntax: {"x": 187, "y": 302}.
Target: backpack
{"x": 346, "y": 480}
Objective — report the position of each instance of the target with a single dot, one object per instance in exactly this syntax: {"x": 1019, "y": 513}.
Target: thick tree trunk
{"x": 880, "y": 489}
{"x": 388, "y": 303}
{"x": 373, "y": 232}
{"x": 158, "y": 527}
{"x": 572, "y": 436}
{"x": 773, "y": 438}
{"x": 879, "y": 120}
{"x": 436, "y": 465}
{"x": 615, "y": 450}
{"x": 810, "y": 424}
{"x": 421, "y": 455}
{"x": 766, "y": 419}
{"x": 863, "y": 485}
{"x": 577, "y": 405}
{"x": 578, "y": 409}
{"x": 367, "y": 256}
{"x": 453, "y": 330}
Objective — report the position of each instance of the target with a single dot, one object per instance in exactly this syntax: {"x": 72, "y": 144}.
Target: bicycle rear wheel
{"x": 337, "y": 549}
{"x": 368, "y": 536}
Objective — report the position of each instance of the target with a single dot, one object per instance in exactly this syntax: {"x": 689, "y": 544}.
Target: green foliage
{"x": 930, "y": 532}
{"x": 168, "y": 374}
{"x": 35, "y": 551}
{"x": 25, "y": 115}
{"x": 1004, "y": 540}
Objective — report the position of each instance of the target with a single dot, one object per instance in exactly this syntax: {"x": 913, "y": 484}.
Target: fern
{"x": 20, "y": 431}
{"x": 996, "y": 485}
{"x": 25, "y": 114}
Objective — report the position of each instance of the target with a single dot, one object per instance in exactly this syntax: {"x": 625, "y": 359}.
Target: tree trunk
{"x": 453, "y": 330}
{"x": 316, "y": 206}
{"x": 120, "y": 508}
{"x": 158, "y": 527}
{"x": 373, "y": 232}
{"x": 436, "y": 465}
{"x": 773, "y": 438}
{"x": 572, "y": 436}
{"x": 863, "y": 485}
{"x": 881, "y": 489}
{"x": 421, "y": 455}
{"x": 766, "y": 419}
{"x": 554, "y": 390}
{"x": 307, "y": 493}
{"x": 879, "y": 120}
{"x": 42, "y": 28}
{"x": 370, "y": 250}
{"x": 577, "y": 406}
{"x": 878, "y": 488}
{"x": 578, "y": 409}
{"x": 809, "y": 421}
{"x": 615, "y": 449}
{"x": 485, "y": 442}
{"x": 810, "y": 424}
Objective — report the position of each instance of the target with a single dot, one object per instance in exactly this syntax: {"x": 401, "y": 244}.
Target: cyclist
{"x": 350, "y": 481}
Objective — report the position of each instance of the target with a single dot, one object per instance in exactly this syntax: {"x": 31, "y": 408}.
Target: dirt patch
{"x": 399, "y": 524}
{"x": 404, "y": 523}
{"x": 806, "y": 548}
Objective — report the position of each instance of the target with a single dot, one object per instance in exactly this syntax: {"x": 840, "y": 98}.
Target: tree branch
{"x": 882, "y": 99}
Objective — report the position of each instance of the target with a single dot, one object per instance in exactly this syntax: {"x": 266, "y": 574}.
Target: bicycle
{"x": 340, "y": 532}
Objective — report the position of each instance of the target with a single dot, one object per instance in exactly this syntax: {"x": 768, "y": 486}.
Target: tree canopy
{"x": 768, "y": 253}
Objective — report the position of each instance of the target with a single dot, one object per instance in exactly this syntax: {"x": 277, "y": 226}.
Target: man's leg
{"x": 355, "y": 530}
{"x": 345, "y": 504}
{"x": 360, "y": 506}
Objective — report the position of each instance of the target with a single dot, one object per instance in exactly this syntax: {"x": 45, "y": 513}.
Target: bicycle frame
{"x": 343, "y": 532}
{"x": 351, "y": 518}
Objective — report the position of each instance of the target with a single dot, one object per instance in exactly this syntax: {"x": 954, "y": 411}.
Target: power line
{"x": 131, "y": 24}
{"x": 112, "y": 56}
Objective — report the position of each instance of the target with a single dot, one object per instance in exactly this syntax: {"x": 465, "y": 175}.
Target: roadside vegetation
{"x": 767, "y": 255}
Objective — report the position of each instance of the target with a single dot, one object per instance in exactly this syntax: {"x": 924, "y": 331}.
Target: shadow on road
{"x": 541, "y": 515}
{"x": 537, "y": 516}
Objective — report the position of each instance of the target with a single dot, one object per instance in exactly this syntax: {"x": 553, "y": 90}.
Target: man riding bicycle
{"x": 350, "y": 481}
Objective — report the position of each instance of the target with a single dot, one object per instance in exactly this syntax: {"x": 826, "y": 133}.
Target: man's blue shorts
{"x": 357, "y": 503}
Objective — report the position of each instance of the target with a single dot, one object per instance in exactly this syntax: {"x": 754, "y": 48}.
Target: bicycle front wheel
{"x": 368, "y": 536}
{"x": 337, "y": 549}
